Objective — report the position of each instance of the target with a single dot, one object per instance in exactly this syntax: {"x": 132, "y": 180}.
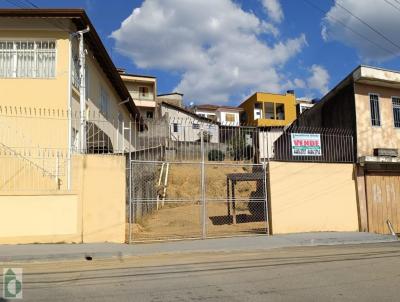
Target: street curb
{"x": 38, "y": 252}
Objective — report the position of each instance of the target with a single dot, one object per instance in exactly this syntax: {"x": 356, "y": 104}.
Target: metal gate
{"x": 197, "y": 189}
{"x": 383, "y": 201}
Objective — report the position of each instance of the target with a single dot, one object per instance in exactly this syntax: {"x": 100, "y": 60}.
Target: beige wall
{"x": 369, "y": 137}
{"x": 312, "y": 197}
{"x": 100, "y": 181}
{"x": 38, "y": 217}
{"x": 94, "y": 211}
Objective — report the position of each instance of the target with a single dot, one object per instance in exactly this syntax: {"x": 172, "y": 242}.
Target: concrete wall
{"x": 312, "y": 197}
{"x": 337, "y": 111}
{"x": 39, "y": 217}
{"x": 101, "y": 183}
{"x": 368, "y": 136}
{"x": 94, "y": 211}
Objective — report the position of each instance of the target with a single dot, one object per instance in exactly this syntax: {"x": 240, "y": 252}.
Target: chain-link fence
{"x": 176, "y": 200}
{"x": 199, "y": 179}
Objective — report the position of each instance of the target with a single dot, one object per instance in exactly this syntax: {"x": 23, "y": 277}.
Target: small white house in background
{"x": 225, "y": 115}
{"x": 186, "y": 126}
{"x": 303, "y": 104}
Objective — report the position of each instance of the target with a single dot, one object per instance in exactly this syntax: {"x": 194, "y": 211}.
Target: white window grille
{"x": 75, "y": 70}
{"x": 375, "y": 111}
{"x": 396, "y": 111}
{"x": 28, "y": 59}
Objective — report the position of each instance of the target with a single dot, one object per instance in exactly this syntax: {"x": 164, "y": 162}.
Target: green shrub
{"x": 216, "y": 155}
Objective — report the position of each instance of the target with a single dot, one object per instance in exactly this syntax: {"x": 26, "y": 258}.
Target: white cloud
{"x": 215, "y": 47}
{"x": 299, "y": 83}
{"x": 382, "y": 16}
{"x": 319, "y": 79}
{"x": 273, "y": 9}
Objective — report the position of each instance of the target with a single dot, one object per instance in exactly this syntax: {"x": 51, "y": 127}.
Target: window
{"x": 150, "y": 114}
{"x": 143, "y": 92}
{"x": 280, "y": 111}
{"x": 269, "y": 111}
{"x": 175, "y": 127}
{"x": 396, "y": 111}
{"x": 375, "y": 113}
{"x": 257, "y": 111}
{"x": 230, "y": 117}
{"x": 27, "y": 59}
{"x": 104, "y": 100}
{"x": 195, "y": 126}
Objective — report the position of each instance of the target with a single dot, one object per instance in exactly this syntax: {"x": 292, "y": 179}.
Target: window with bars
{"x": 375, "y": 111}
{"x": 27, "y": 59}
{"x": 396, "y": 111}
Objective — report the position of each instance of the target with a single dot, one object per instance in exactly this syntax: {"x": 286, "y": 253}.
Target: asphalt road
{"x": 364, "y": 272}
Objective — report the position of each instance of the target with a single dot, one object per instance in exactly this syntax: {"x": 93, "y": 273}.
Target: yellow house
{"x": 60, "y": 92}
{"x": 267, "y": 109}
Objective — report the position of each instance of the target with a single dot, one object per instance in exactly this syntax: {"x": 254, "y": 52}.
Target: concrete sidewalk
{"x": 53, "y": 252}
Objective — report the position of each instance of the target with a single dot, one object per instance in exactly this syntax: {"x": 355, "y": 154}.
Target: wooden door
{"x": 383, "y": 201}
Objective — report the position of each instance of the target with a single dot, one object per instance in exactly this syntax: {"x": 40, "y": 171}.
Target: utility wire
{"x": 368, "y": 25}
{"x": 349, "y": 28}
{"x": 31, "y": 3}
{"x": 391, "y": 4}
{"x": 13, "y": 3}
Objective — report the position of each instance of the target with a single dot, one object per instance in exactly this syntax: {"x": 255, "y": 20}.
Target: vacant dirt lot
{"x": 181, "y": 214}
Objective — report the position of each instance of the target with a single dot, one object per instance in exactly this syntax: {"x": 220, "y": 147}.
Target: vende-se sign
{"x": 306, "y": 144}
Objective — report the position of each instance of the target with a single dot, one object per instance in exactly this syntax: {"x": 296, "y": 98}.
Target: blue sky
{"x": 220, "y": 51}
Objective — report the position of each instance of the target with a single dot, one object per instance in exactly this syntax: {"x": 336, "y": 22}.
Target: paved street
{"x": 363, "y": 272}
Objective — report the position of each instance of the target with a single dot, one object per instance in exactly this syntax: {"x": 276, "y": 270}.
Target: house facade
{"x": 225, "y": 115}
{"x": 143, "y": 90}
{"x": 186, "y": 126}
{"x": 367, "y": 102}
{"x": 269, "y": 110}
{"x": 59, "y": 90}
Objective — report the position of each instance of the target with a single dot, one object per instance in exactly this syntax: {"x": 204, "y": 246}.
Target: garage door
{"x": 383, "y": 201}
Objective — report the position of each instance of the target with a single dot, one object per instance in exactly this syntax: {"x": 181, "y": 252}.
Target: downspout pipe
{"x": 82, "y": 89}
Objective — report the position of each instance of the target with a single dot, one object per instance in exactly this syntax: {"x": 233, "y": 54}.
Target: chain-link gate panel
{"x": 235, "y": 196}
{"x": 191, "y": 200}
{"x": 166, "y": 201}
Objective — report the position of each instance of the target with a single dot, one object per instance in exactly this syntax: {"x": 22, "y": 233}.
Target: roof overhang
{"x": 377, "y": 77}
